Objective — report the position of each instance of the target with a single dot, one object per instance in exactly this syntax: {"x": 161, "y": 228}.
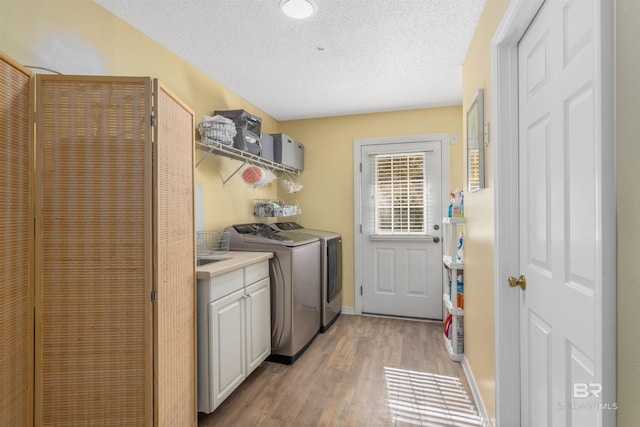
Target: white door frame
{"x": 443, "y": 138}
{"x": 504, "y": 82}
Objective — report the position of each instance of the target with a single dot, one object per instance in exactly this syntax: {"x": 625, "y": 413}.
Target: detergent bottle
{"x": 457, "y": 203}
{"x": 460, "y": 291}
{"x": 451, "y": 199}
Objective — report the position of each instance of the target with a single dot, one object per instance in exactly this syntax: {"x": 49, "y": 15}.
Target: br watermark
{"x": 584, "y": 390}
{"x": 586, "y": 396}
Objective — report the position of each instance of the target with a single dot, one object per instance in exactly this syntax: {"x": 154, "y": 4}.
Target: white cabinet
{"x": 227, "y": 346}
{"x": 452, "y": 297}
{"x": 234, "y": 331}
{"x": 258, "y": 324}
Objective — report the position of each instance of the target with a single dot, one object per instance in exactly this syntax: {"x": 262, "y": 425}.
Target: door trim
{"x": 504, "y": 83}
{"x": 357, "y": 181}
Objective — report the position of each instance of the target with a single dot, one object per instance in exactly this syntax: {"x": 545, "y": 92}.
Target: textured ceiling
{"x": 351, "y": 57}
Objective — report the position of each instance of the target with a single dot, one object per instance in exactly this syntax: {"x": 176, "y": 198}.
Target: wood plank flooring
{"x": 364, "y": 371}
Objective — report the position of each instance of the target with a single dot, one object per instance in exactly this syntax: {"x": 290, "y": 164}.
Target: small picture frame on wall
{"x": 475, "y": 145}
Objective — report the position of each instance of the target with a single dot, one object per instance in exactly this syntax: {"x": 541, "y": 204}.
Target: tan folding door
{"x": 175, "y": 276}
{"x": 115, "y": 277}
{"x": 94, "y": 251}
{"x": 16, "y": 246}
{"x": 97, "y": 253}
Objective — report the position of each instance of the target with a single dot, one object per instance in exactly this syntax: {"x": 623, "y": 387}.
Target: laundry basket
{"x": 218, "y": 129}
{"x": 214, "y": 242}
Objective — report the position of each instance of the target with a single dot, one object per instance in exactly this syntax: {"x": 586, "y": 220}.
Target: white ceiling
{"x": 351, "y": 57}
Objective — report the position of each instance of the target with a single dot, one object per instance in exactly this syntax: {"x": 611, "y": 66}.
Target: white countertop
{"x": 229, "y": 262}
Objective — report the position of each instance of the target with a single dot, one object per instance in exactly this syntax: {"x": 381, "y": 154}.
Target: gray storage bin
{"x": 267, "y": 147}
{"x": 247, "y": 141}
{"x": 288, "y": 151}
{"x": 243, "y": 120}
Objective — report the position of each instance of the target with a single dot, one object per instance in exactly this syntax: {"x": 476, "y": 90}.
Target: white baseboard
{"x": 475, "y": 391}
{"x": 348, "y": 310}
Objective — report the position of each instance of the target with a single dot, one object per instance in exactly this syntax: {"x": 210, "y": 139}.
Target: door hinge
{"x": 154, "y": 296}
{"x": 154, "y": 121}
{"x": 360, "y": 228}
{"x": 360, "y": 167}
{"x": 360, "y": 290}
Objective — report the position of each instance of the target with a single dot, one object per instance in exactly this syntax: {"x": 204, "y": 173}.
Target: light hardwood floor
{"x": 364, "y": 371}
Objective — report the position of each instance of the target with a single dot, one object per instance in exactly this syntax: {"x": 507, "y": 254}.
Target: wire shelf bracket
{"x": 213, "y": 147}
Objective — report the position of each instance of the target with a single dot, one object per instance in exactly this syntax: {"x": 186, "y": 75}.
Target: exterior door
{"x": 560, "y": 217}
{"x": 401, "y": 252}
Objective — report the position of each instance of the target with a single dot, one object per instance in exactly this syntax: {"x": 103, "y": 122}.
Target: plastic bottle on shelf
{"x": 447, "y": 326}
{"x": 460, "y": 251}
{"x": 457, "y": 203}
{"x": 460, "y": 291}
{"x": 460, "y": 321}
{"x": 451, "y": 199}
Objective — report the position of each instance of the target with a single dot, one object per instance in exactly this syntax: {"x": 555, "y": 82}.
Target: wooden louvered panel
{"x": 94, "y": 250}
{"x": 175, "y": 245}
{"x": 16, "y": 250}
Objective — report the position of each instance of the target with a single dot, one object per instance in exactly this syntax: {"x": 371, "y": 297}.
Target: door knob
{"x": 436, "y": 239}
{"x": 522, "y": 282}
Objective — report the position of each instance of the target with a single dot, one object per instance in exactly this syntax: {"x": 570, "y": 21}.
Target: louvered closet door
{"x": 94, "y": 360}
{"x": 16, "y": 261}
{"x": 175, "y": 245}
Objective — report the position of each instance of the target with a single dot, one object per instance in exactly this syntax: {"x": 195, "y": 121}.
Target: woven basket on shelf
{"x": 218, "y": 129}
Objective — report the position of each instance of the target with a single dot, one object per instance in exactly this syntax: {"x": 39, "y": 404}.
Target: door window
{"x": 400, "y": 197}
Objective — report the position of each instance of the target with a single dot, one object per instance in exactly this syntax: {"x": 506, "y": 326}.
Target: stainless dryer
{"x": 331, "y": 264}
{"x": 294, "y": 271}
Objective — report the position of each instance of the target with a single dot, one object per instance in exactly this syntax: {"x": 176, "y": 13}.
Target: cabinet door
{"x": 227, "y": 346}
{"x": 258, "y": 305}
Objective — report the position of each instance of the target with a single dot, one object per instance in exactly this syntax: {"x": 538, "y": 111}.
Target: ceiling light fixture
{"x": 298, "y": 9}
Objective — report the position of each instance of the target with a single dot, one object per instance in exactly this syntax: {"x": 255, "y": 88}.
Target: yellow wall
{"x": 80, "y": 37}
{"x": 628, "y": 207}
{"x": 479, "y": 339}
{"x": 327, "y": 197}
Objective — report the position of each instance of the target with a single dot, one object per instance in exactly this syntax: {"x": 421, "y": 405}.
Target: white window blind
{"x": 401, "y": 193}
